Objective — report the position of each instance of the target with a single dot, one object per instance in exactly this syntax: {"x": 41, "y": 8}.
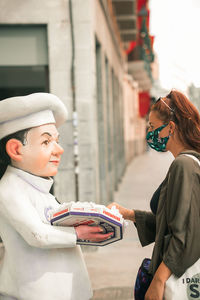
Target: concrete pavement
{"x": 113, "y": 268}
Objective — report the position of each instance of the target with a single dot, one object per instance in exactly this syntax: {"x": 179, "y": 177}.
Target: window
{"x": 23, "y": 60}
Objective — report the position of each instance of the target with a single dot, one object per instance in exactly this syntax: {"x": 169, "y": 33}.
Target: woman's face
{"x": 155, "y": 122}
{"x": 41, "y": 153}
{"x": 160, "y": 139}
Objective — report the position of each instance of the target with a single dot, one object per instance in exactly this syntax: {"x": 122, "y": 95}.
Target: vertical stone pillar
{"x": 85, "y": 85}
{"x": 60, "y": 54}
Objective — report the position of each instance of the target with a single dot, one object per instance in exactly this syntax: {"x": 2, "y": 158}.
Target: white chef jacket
{"x": 40, "y": 261}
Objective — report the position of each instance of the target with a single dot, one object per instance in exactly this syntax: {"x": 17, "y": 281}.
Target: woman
{"x": 173, "y": 224}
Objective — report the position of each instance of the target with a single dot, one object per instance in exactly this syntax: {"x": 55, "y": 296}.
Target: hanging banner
{"x": 144, "y": 103}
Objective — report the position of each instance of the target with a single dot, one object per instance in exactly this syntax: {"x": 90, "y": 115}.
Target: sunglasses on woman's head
{"x": 174, "y": 118}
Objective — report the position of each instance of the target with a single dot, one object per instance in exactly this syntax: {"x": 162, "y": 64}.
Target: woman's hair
{"x": 4, "y": 157}
{"x": 176, "y": 107}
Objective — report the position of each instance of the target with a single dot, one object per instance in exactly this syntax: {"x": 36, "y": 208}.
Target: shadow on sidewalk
{"x": 114, "y": 293}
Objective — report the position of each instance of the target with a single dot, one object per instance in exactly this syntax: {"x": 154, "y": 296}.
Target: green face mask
{"x": 155, "y": 142}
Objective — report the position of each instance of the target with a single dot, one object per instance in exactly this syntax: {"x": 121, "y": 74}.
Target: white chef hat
{"x": 18, "y": 113}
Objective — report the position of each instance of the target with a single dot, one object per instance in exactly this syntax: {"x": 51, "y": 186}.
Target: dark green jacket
{"x": 176, "y": 227}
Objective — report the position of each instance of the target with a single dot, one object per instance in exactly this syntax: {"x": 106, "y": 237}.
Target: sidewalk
{"x": 113, "y": 268}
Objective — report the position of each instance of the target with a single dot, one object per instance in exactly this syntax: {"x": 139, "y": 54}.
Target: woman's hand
{"x": 128, "y": 214}
{"x": 155, "y": 290}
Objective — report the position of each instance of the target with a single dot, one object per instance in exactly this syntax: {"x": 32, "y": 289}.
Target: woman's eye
{"x": 151, "y": 127}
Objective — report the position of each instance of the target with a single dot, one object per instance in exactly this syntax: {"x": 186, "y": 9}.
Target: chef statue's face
{"x": 40, "y": 155}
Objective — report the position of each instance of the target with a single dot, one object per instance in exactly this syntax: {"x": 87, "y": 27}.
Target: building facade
{"x": 77, "y": 52}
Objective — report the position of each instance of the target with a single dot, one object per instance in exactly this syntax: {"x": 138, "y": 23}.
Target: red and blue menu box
{"x": 100, "y": 216}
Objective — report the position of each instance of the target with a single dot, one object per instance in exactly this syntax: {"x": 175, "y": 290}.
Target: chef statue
{"x": 40, "y": 261}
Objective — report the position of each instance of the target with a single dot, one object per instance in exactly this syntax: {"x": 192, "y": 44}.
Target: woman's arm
{"x": 157, "y": 286}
